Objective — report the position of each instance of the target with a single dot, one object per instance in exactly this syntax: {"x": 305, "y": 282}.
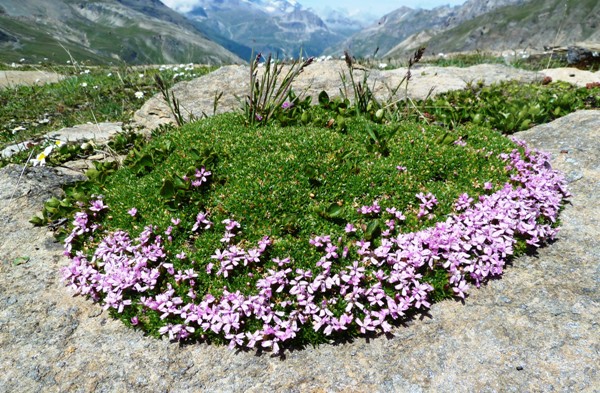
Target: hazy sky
{"x": 375, "y": 8}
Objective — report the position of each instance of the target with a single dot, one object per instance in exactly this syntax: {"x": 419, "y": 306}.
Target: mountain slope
{"x": 133, "y": 31}
{"x": 391, "y": 29}
{"x": 414, "y": 26}
{"x": 534, "y": 24}
{"x": 279, "y": 26}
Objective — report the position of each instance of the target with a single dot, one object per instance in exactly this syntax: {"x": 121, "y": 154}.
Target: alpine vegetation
{"x": 290, "y": 224}
{"x": 197, "y": 264}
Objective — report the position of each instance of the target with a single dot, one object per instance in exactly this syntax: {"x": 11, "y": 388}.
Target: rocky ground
{"x": 198, "y": 96}
{"x": 536, "y": 329}
{"x": 13, "y": 78}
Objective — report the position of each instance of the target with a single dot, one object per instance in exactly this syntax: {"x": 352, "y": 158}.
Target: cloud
{"x": 181, "y": 5}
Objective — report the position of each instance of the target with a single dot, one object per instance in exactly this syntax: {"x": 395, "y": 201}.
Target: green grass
{"x": 85, "y": 95}
{"x": 278, "y": 181}
{"x": 41, "y": 45}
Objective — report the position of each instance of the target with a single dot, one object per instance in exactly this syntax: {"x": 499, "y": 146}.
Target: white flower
{"x": 84, "y": 84}
{"x": 139, "y": 95}
{"x": 109, "y": 74}
{"x": 141, "y": 75}
{"x": 41, "y": 158}
{"x": 44, "y": 121}
{"x": 17, "y": 129}
{"x": 382, "y": 66}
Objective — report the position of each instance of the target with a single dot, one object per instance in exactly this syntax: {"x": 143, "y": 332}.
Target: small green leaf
{"x": 334, "y": 211}
{"x": 51, "y": 210}
{"x": 324, "y": 98}
{"x": 168, "y": 188}
{"x": 194, "y": 154}
{"x": 373, "y": 134}
{"x": 525, "y": 124}
{"x": 53, "y": 202}
{"x": 179, "y": 183}
{"x": 20, "y": 260}
{"x": 373, "y": 230}
{"x": 305, "y": 117}
{"x": 37, "y": 220}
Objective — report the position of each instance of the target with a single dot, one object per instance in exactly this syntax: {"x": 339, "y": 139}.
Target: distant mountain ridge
{"x": 228, "y": 31}
{"x": 283, "y": 27}
{"x": 131, "y": 31}
{"x": 419, "y": 24}
{"x": 529, "y": 24}
{"x": 477, "y": 25}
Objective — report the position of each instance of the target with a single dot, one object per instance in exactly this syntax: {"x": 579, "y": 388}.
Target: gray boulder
{"x": 536, "y": 329}
{"x": 584, "y": 56}
{"x": 197, "y": 97}
{"x": 15, "y": 78}
{"x": 100, "y": 133}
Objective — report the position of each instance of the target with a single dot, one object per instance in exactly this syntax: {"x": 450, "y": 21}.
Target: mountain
{"x": 103, "y": 31}
{"x": 530, "y": 24}
{"x": 282, "y": 27}
{"x": 382, "y": 36}
{"x": 413, "y": 27}
{"x": 341, "y": 23}
{"x": 477, "y": 25}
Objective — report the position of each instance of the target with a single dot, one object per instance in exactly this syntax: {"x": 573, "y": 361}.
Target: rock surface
{"x": 197, "y": 96}
{"x": 573, "y": 75}
{"x": 536, "y": 329}
{"x": 100, "y": 133}
{"x": 13, "y": 78}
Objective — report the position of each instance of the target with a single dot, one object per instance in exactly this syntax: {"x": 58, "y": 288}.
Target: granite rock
{"x": 536, "y": 329}
{"x": 100, "y": 133}
{"x": 197, "y": 97}
{"x": 15, "y": 78}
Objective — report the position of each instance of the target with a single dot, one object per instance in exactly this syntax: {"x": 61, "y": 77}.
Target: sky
{"x": 372, "y": 8}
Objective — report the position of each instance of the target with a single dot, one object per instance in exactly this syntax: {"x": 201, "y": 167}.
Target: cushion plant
{"x": 266, "y": 237}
